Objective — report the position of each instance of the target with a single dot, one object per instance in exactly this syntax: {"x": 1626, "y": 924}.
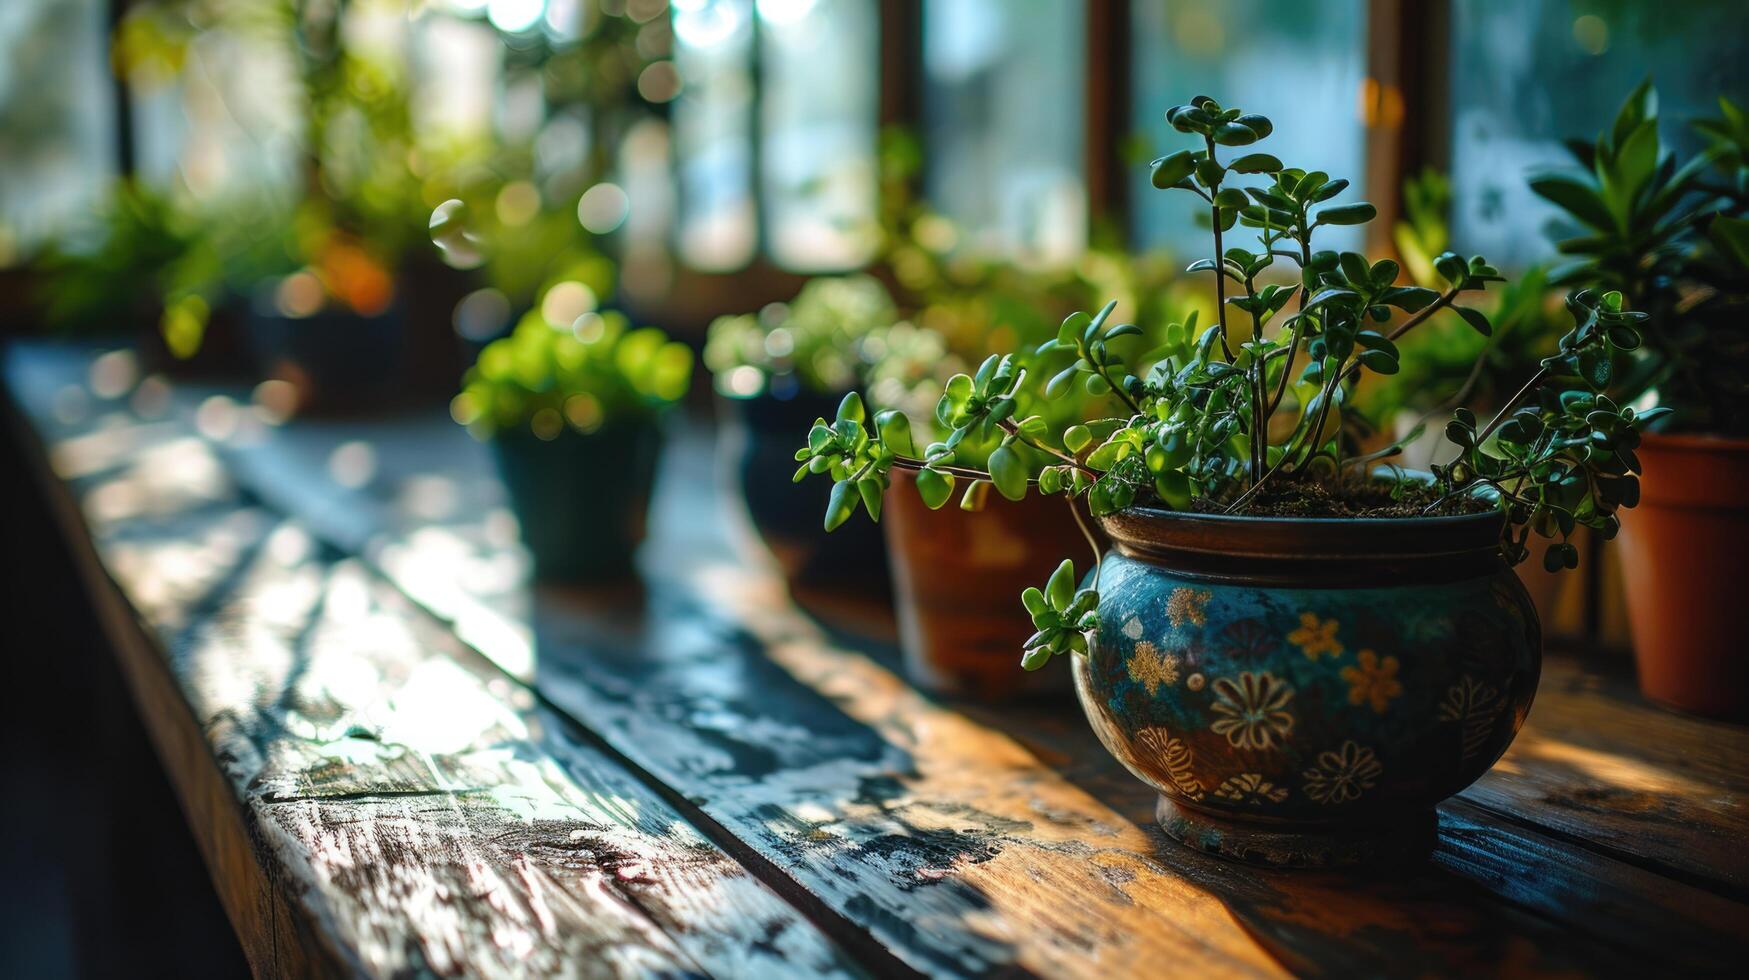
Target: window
{"x": 713, "y": 132}
{"x": 1281, "y": 58}
{"x": 1527, "y": 75}
{"x": 1002, "y": 120}
{"x": 820, "y": 74}
{"x": 57, "y": 145}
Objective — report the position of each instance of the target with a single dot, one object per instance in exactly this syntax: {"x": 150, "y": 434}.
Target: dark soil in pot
{"x": 1685, "y": 550}
{"x": 1303, "y": 692}
{"x": 757, "y": 454}
{"x": 582, "y": 500}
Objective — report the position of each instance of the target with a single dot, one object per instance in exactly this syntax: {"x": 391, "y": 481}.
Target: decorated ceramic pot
{"x": 1303, "y": 692}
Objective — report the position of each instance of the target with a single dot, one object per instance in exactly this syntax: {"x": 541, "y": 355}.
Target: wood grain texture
{"x": 1600, "y": 766}
{"x": 372, "y": 796}
{"x": 958, "y": 839}
{"x": 810, "y": 748}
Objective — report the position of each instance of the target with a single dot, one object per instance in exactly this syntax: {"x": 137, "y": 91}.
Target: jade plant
{"x": 1672, "y": 236}
{"x": 1244, "y": 415}
{"x": 594, "y": 374}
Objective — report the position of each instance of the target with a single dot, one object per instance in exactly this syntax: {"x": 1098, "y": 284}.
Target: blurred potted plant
{"x": 143, "y": 276}
{"x": 574, "y": 415}
{"x": 1303, "y": 656}
{"x": 775, "y": 371}
{"x": 955, "y": 575}
{"x": 1674, "y": 238}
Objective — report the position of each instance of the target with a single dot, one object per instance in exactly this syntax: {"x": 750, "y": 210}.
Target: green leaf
{"x": 1258, "y": 125}
{"x": 870, "y": 488}
{"x": 1255, "y": 163}
{"x": 1475, "y": 318}
{"x": 1348, "y": 214}
{"x": 1061, "y": 381}
{"x": 851, "y": 408}
{"x": 935, "y": 487}
{"x": 1170, "y": 170}
{"x": 1060, "y": 590}
{"x": 976, "y": 493}
{"x": 1008, "y": 472}
{"x": 1077, "y": 438}
{"x": 1035, "y": 602}
{"x": 895, "y": 430}
{"x": 840, "y": 505}
{"x": 1380, "y": 361}
{"x": 1234, "y": 134}
{"x": 1574, "y": 196}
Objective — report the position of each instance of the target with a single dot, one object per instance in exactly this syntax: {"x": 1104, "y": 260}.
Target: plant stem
{"x": 1220, "y": 262}
{"x": 1444, "y": 300}
{"x": 1009, "y": 427}
{"x": 914, "y": 464}
{"x": 1511, "y": 403}
{"x": 1293, "y": 348}
{"x": 1098, "y": 553}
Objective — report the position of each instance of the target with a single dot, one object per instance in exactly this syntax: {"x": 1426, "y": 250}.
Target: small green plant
{"x": 818, "y": 342}
{"x": 1673, "y": 237}
{"x": 598, "y": 372}
{"x": 1196, "y": 425}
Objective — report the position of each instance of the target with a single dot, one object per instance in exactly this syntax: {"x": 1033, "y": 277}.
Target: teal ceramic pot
{"x": 581, "y": 500}
{"x": 1303, "y": 692}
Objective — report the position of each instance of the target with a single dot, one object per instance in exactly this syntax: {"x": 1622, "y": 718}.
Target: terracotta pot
{"x": 757, "y": 455}
{"x": 957, "y": 579}
{"x": 582, "y": 500}
{"x": 1685, "y": 549}
{"x": 1303, "y": 692}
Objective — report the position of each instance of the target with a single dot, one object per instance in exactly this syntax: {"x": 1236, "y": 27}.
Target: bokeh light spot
{"x": 603, "y": 208}
{"x": 660, "y": 82}
{"x": 567, "y": 301}
{"x": 352, "y": 464}
{"x": 299, "y": 295}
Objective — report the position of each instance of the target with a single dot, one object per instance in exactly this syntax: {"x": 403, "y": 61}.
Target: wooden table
{"x": 398, "y": 758}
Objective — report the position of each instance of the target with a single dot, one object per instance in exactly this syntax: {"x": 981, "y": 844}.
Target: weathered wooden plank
{"x": 755, "y": 731}
{"x": 1601, "y": 767}
{"x": 420, "y": 811}
{"x": 969, "y": 841}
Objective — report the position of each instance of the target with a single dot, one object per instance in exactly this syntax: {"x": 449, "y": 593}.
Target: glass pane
{"x": 228, "y": 122}
{"x": 56, "y": 118}
{"x": 1002, "y": 116}
{"x": 819, "y": 100}
{"x": 713, "y": 131}
{"x": 1527, "y": 75}
{"x": 1282, "y": 58}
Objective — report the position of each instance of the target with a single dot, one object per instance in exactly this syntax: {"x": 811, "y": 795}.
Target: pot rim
{"x": 1697, "y": 441}
{"x": 1311, "y": 550}
{"x": 1386, "y": 523}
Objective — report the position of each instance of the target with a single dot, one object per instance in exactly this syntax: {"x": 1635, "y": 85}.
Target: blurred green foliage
{"x": 595, "y": 373}
{"x": 1673, "y": 236}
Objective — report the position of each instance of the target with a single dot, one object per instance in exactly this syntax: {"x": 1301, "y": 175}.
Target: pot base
{"x": 1412, "y": 838}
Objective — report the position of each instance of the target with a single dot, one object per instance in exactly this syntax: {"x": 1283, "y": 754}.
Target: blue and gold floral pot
{"x": 1304, "y": 691}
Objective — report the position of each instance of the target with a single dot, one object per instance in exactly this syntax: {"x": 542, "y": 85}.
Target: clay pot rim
{"x": 1697, "y": 442}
